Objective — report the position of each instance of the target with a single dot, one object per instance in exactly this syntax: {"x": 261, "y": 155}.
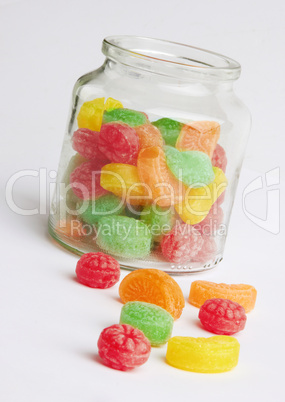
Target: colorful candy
{"x": 212, "y": 222}
{"x": 155, "y": 287}
{"x": 222, "y": 316}
{"x": 170, "y": 130}
{"x": 85, "y": 142}
{"x": 155, "y": 322}
{"x": 159, "y": 220}
{"x": 201, "y": 291}
{"x": 91, "y": 114}
{"x": 207, "y": 252}
{"x": 149, "y": 136}
{"x": 85, "y": 180}
{"x": 71, "y": 227}
{"x": 106, "y": 205}
{"x": 131, "y": 117}
{"x": 219, "y": 158}
{"x": 112, "y": 104}
{"x": 216, "y": 354}
{"x": 123, "y": 347}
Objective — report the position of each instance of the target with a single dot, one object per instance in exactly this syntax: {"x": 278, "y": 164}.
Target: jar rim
{"x": 170, "y": 58}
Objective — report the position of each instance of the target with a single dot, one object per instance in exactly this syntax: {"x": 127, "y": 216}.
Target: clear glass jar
{"x": 134, "y": 189}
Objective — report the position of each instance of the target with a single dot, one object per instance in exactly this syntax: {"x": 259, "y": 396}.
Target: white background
{"x": 49, "y": 323}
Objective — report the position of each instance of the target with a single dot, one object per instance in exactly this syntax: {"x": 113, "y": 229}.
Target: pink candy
{"x": 85, "y": 180}
{"x": 219, "y": 158}
{"x": 85, "y": 142}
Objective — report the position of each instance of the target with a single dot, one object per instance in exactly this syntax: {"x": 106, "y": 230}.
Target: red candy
{"x": 119, "y": 142}
{"x": 85, "y": 142}
{"x": 85, "y": 180}
{"x": 182, "y": 243}
{"x": 123, "y": 347}
{"x": 213, "y": 220}
{"x": 222, "y": 316}
{"x": 98, "y": 270}
{"x": 208, "y": 251}
{"x": 219, "y": 158}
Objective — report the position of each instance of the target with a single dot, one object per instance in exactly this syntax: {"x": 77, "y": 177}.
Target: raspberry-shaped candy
{"x": 182, "y": 243}
{"x": 85, "y": 142}
{"x": 98, "y": 270}
{"x": 208, "y": 251}
{"x": 222, "y": 316}
{"x": 85, "y": 180}
{"x": 119, "y": 142}
{"x": 219, "y": 158}
{"x": 123, "y": 347}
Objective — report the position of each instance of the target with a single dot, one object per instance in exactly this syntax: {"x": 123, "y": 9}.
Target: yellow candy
{"x": 112, "y": 104}
{"x": 198, "y": 201}
{"x": 216, "y": 354}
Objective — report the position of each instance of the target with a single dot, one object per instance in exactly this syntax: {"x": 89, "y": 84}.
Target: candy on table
{"x": 165, "y": 189}
{"x": 222, "y": 316}
{"x": 155, "y": 287}
{"x": 212, "y": 222}
{"x": 112, "y": 103}
{"x": 124, "y": 236}
{"x": 181, "y": 244}
{"x": 170, "y": 130}
{"x": 216, "y": 354}
{"x": 149, "y": 136}
{"x": 219, "y": 158}
{"x": 119, "y": 143}
{"x": 106, "y": 205}
{"x": 201, "y": 291}
{"x": 155, "y": 322}
{"x": 71, "y": 227}
{"x": 159, "y": 220}
{"x": 85, "y": 142}
{"x": 85, "y": 180}
{"x": 199, "y": 136}
{"x": 98, "y": 270}
{"x": 207, "y": 252}
{"x": 131, "y": 117}
{"x": 123, "y": 347}
{"x": 193, "y": 168}
{"x": 198, "y": 201}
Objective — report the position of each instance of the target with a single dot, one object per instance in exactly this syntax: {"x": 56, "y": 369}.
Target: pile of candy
{"x": 159, "y": 182}
{"x": 152, "y": 301}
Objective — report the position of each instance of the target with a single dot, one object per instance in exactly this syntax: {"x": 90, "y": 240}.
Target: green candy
{"x": 124, "y": 237}
{"x": 133, "y": 211}
{"x": 159, "y": 220}
{"x": 170, "y": 130}
{"x": 193, "y": 168}
{"x": 131, "y": 117}
{"x": 106, "y": 205}
{"x": 155, "y": 322}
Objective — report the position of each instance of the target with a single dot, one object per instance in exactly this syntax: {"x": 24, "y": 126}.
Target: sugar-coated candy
{"x": 71, "y": 227}
{"x": 98, "y": 270}
{"x": 193, "y": 168}
{"x": 155, "y": 287}
{"x": 124, "y": 237}
{"x": 219, "y": 158}
{"x": 112, "y": 104}
{"x": 75, "y": 161}
{"x": 198, "y": 201}
{"x": 207, "y": 252}
{"x": 106, "y": 205}
{"x": 133, "y": 211}
{"x": 170, "y": 130}
{"x": 149, "y": 136}
{"x": 155, "y": 322}
{"x": 182, "y": 243}
{"x": 159, "y": 220}
{"x": 201, "y": 291}
{"x": 222, "y": 316}
{"x": 199, "y": 136}
{"x": 131, "y": 117}
{"x": 165, "y": 189}
{"x": 85, "y": 142}
{"x": 123, "y": 347}
{"x": 91, "y": 114}
{"x": 216, "y": 354}
{"x": 212, "y": 222}
{"x": 85, "y": 180}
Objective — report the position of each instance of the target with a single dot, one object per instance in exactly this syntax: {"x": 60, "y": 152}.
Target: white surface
{"x": 49, "y": 323}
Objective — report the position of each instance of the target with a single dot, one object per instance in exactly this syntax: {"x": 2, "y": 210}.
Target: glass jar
{"x": 151, "y": 157}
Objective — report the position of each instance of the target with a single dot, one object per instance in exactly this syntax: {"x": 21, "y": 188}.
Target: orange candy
{"x": 153, "y": 286}
{"x": 199, "y": 136}
{"x": 70, "y": 228}
{"x": 201, "y": 291}
{"x": 149, "y": 136}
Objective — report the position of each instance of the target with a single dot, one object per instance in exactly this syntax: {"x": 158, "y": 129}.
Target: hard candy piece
{"x": 182, "y": 243}
{"x": 159, "y": 220}
{"x": 201, "y": 291}
{"x": 149, "y": 136}
{"x": 106, "y": 205}
{"x": 123, "y": 347}
{"x": 207, "y": 252}
{"x": 155, "y": 322}
{"x": 198, "y": 201}
{"x": 165, "y": 189}
{"x": 75, "y": 161}
{"x": 70, "y": 227}
{"x": 212, "y": 222}
{"x": 131, "y": 117}
{"x": 155, "y": 287}
{"x": 219, "y": 158}
{"x": 112, "y": 104}
{"x": 85, "y": 142}
{"x": 119, "y": 143}
{"x": 170, "y": 130}
{"x": 216, "y": 354}
{"x": 98, "y": 270}
{"x": 199, "y": 136}
{"x": 85, "y": 180}
{"x": 124, "y": 237}
{"x": 193, "y": 168}
{"x": 91, "y": 114}
{"x": 222, "y": 316}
